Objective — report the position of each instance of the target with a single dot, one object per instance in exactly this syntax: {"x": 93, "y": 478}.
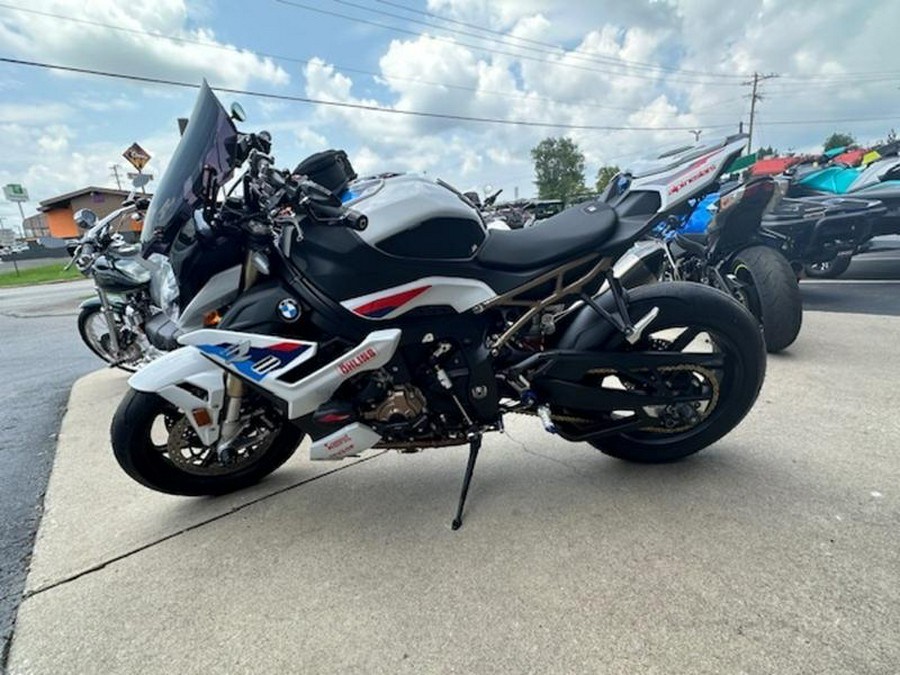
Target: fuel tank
{"x": 415, "y": 216}
{"x": 119, "y": 275}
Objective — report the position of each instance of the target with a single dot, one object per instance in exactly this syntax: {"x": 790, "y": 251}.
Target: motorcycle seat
{"x": 579, "y": 229}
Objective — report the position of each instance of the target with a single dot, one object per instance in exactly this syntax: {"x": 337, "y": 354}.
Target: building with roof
{"x": 57, "y": 214}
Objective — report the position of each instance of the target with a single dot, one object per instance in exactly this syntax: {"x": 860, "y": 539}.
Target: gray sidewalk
{"x": 776, "y": 550}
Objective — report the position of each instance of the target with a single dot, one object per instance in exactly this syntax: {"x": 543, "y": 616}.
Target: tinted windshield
{"x": 209, "y": 140}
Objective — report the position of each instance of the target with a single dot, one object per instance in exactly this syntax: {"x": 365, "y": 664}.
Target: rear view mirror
{"x": 237, "y": 112}
{"x": 85, "y": 219}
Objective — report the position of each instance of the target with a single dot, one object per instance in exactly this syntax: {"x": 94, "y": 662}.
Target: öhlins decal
{"x": 355, "y": 362}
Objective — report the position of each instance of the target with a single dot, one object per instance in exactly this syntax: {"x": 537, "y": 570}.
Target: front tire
{"x": 140, "y": 429}
{"x": 94, "y": 331}
{"x": 772, "y": 294}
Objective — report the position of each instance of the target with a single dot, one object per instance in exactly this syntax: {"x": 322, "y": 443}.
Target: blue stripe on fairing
{"x": 254, "y": 356}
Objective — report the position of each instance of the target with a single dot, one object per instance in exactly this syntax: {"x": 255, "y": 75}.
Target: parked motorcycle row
{"x": 383, "y": 312}
{"x": 754, "y": 237}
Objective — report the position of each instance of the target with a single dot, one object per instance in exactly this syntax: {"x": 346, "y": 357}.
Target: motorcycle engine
{"x": 403, "y": 403}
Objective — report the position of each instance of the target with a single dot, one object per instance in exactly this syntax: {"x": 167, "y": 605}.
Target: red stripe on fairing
{"x": 285, "y": 346}
{"x": 392, "y": 301}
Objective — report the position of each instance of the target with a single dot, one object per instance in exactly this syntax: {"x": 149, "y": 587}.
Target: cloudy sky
{"x": 624, "y": 79}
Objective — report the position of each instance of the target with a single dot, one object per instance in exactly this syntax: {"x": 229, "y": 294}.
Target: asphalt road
{"x": 871, "y": 285}
{"x": 41, "y": 356}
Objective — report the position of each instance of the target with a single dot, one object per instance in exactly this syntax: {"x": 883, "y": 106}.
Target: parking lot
{"x": 772, "y": 551}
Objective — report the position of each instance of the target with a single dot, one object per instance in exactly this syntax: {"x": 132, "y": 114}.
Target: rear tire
{"x": 685, "y": 304}
{"x": 144, "y": 460}
{"x": 831, "y": 269}
{"x": 773, "y": 294}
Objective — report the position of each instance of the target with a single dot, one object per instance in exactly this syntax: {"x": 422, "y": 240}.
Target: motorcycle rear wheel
{"x": 686, "y": 308}
{"x": 772, "y": 294}
{"x": 142, "y": 430}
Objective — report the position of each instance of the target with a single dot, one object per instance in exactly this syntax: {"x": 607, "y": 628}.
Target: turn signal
{"x": 201, "y": 417}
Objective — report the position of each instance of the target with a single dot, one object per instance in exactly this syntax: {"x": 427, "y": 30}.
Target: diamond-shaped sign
{"x": 137, "y": 156}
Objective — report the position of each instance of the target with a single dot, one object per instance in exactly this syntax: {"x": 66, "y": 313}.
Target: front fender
{"x": 189, "y": 381}
{"x": 94, "y": 302}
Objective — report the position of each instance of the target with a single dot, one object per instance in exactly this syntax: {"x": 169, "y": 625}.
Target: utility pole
{"x": 696, "y": 133}
{"x": 754, "y": 97}
{"x": 115, "y": 170}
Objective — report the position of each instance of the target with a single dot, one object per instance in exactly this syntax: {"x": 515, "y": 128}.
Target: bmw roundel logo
{"x": 289, "y": 310}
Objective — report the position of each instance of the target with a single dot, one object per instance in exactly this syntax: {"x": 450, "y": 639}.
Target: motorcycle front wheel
{"x": 692, "y": 318}
{"x": 155, "y": 444}
{"x": 94, "y": 331}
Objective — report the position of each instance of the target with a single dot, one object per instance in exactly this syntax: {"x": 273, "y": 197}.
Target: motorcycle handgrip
{"x": 355, "y": 220}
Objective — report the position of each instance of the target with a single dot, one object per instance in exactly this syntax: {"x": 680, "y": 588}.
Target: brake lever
{"x": 75, "y": 254}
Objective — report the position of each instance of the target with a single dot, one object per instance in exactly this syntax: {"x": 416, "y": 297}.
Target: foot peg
{"x": 543, "y": 412}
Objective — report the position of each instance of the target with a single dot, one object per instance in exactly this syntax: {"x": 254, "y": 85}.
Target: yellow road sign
{"x": 137, "y": 156}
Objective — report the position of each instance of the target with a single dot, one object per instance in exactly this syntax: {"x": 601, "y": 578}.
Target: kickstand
{"x": 474, "y": 447}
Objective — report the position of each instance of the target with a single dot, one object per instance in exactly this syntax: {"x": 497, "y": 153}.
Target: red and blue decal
{"x": 381, "y": 307}
{"x": 255, "y": 362}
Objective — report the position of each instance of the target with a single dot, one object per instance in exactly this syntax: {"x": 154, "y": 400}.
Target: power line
{"x": 342, "y": 104}
{"x": 889, "y": 118}
{"x": 607, "y": 59}
{"x": 291, "y": 59}
{"x": 415, "y": 113}
{"x": 610, "y": 60}
{"x": 457, "y": 22}
{"x": 319, "y": 10}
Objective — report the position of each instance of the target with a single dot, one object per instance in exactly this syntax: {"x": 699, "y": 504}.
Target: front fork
{"x": 111, "y": 324}
{"x": 234, "y": 386}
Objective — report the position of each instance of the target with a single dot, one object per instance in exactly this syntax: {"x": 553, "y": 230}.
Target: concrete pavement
{"x": 776, "y": 550}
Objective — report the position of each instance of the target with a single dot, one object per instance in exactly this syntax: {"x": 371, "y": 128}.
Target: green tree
{"x": 558, "y": 168}
{"x": 604, "y": 175}
{"x": 768, "y": 151}
{"x": 838, "y": 140}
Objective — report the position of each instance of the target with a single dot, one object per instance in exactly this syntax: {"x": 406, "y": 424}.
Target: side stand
{"x": 474, "y": 447}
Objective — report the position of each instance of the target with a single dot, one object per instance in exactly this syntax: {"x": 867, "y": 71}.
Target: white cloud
{"x": 580, "y": 83}
{"x": 92, "y": 46}
{"x": 55, "y": 138}
{"x": 12, "y": 113}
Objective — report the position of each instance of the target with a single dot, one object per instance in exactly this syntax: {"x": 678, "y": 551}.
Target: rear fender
{"x": 587, "y": 330}
{"x": 191, "y": 382}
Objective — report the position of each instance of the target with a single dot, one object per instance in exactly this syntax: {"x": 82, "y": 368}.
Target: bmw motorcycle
{"x": 395, "y": 319}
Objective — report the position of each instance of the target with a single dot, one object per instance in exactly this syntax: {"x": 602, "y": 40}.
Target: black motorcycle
{"x": 736, "y": 254}
{"x": 394, "y": 318}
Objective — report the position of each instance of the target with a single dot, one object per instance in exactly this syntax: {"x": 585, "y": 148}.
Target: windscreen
{"x": 209, "y": 141}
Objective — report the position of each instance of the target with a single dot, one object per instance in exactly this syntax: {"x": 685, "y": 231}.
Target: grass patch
{"x": 39, "y": 275}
